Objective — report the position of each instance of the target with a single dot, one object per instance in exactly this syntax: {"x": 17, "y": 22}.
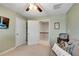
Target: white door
{"x": 33, "y": 32}
{"x": 20, "y": 31}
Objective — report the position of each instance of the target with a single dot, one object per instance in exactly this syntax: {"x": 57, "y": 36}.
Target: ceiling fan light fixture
{"x": 33, "y": 7}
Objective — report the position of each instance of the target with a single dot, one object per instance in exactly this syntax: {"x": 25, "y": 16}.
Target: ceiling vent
{"x": 57, "y": 6}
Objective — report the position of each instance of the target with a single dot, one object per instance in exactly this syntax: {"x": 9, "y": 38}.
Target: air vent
{"x": 57, "y": 6}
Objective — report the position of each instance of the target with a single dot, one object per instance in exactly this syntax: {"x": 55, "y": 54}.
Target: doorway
{"x": 44, "y": 32}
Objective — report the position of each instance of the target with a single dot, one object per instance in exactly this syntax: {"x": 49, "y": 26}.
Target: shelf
{"x": 43, "y": 32}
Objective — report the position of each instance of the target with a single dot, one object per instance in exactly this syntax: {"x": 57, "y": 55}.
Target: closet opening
{"x": 44, "y": 32}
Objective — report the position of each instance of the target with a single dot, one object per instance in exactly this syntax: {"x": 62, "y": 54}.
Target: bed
{"x": 57, "y": 51}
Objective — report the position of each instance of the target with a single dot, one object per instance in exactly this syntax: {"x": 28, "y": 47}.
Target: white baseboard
{"x": 20, "y": 44}
{"x": 10, "y": 49}
{"x": 7, "y": 50}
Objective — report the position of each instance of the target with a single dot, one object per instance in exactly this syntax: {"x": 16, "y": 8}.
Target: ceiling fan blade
{"x": 39, "y": 9}
{"x": 27, "y": 9}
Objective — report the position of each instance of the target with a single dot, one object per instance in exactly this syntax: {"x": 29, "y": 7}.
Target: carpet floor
{"x": 30, "y": 50}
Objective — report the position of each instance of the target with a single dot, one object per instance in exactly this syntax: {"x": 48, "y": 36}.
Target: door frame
{"x": 26, "y": 32}
{"x": 47, "y": 20}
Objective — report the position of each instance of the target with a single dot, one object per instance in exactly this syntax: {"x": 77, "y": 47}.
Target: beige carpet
{"x": 44, "y": 42}
{"x": 31, "y": 50}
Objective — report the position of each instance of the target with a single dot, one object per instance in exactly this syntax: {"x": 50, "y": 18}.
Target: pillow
{"x": 59, "y": 51}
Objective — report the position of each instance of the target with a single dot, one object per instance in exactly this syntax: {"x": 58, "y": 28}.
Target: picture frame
{"x": 57, "y": 25}
{"x": 4, "y": 22}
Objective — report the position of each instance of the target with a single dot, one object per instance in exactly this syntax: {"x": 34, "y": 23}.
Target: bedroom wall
{"x": 7, "y": 36}
{"x": 44, "y": 26}
{"x": 73, "y": 21}
{"x": 55, "y": 33}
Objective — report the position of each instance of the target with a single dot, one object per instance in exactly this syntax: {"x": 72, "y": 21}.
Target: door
{"x": 33, "y": 32}
{"x": 20, "y": 31}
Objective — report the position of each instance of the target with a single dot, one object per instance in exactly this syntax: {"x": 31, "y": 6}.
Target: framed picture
{"x": 4, "y": 22}
{"x": 57, "y": 25}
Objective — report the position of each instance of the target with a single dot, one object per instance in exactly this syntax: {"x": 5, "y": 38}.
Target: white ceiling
{"x": 48, "y": 9}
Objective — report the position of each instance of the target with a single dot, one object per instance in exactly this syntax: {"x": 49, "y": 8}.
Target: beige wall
{"x": 7, "y": 36}
{"x": 55, "y": 33}
{"x": 44, "y": 26}
{"x": 73, "y": 22}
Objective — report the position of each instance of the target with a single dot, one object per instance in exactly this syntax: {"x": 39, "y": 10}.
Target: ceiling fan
{"x": 34, "y": 6}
